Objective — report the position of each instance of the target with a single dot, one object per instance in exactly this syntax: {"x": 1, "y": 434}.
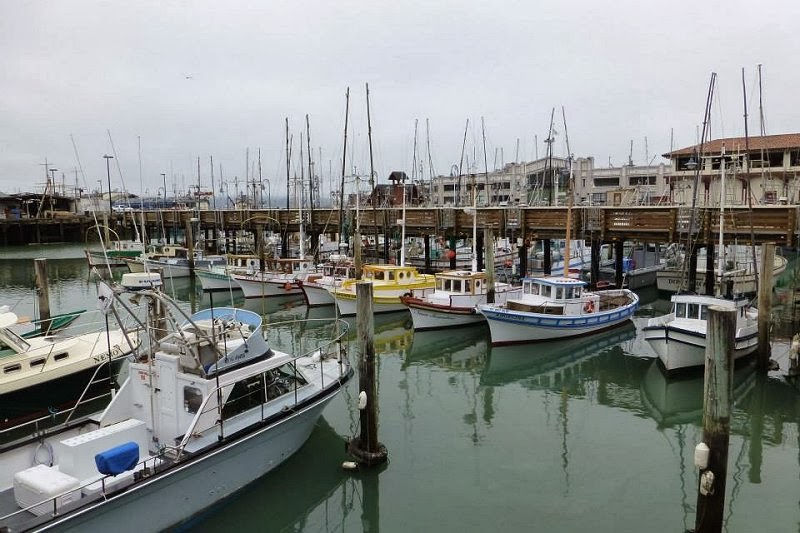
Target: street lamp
{"x": 164, "y": 177}
{"x": 108, "y": 174}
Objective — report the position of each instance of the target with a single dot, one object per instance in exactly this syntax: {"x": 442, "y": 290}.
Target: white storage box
{"x": 42, "y": 483}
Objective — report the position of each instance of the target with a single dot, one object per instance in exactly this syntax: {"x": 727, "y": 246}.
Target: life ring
{"x": 588, "y": 307}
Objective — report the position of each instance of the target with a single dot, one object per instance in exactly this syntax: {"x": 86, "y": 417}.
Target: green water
{"x": 577, "y": 435}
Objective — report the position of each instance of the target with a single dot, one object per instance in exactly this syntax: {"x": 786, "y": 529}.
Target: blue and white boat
{"x": 555, "y": 308}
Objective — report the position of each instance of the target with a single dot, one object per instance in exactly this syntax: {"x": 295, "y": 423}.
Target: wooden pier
{"x": 774, "y": 223}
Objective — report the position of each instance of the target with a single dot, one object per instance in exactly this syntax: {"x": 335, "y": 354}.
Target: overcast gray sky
{"x": 194, "y": 79}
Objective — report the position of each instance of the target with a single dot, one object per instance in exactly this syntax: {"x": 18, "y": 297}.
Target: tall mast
{"x": 460, "y": 164}
{"x": 693, "y": 213}
{"x": 721, "y": 253}
{"x": 372, "y": 177}
{"x": 285, "y": 244}
{"x": 749, "y": 180}
{"x": 568, "y": 233}
{"x": 310, "y": 189}
{"x": 342, "y": 236}
{"x": 299, "y": 194}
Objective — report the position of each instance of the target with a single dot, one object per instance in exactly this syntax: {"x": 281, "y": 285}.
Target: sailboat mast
{"x": 285, "y": 243}
{"x": 403, "y": 227}
{"x": 342, "y": 237}
{"x": 310, "y": 189}
{"x": 300, "y": 202}
{"x": 372, "y": 177}
{"x": 721, "y": 253}
{"x": 749, "y": 182}
{"x": 568, "y": 232}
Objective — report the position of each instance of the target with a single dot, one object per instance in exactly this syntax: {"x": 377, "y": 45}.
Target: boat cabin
{"x": 461, "y": 282}
{"x": 555, "y": 296}
{"x": 695, "y": 307}
{"x": 389, "y": 274}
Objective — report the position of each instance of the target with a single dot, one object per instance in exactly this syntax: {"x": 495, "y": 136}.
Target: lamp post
{"x": 164, "y": 177}
{"x": 269, "y": 192}
{"x": 108, "y": 175}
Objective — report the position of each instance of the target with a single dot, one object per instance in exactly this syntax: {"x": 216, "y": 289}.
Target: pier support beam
{"x": 619, "y": 272}
{"x": 42, "y": 292}
{"x": 523, "y": 258}
{"x": 487, "y": 238}
{"x": 594, "y": 272}
{"x": 691, "y": 279}
{"x": 710, "y": 275}
{"x": 765, "y": 305}
{"x": 716, "y": 419}
{"x": 479, "y": 250}
{"x": 427, "y": 254}
{"x": 548, "y": 257}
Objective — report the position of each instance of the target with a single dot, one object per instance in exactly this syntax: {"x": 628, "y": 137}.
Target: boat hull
{"x": 173, "y": 497}
{"x": 214, "y": 281}
{"x": 255, "y": 287}
{"x": 317, "y": 295}
{"x": 678, "y": 348}
{"x": 426, "y": 317}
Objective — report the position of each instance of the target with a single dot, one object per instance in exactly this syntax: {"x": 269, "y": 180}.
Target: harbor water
{"x": 577, "y": 435}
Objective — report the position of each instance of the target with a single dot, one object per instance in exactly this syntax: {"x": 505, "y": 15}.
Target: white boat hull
{"x": 213, "y": 281}
{"x": 425, "y": 317}
{"x": 317, "y": 295}
{"x": 679, "y": 348}
{"x": 254, "y": 287}
{"x": 220, "y": 474}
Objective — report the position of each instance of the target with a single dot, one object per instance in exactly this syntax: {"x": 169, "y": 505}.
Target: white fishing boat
{"x": 334, "y": 272}
{"x": 115, "y": 253}
{"x": 550, "y": 308}
{"x": 208, "y": 409}
{"x": 280, "y": 278}
{"x": 30, "y": 363}
{"x": 454, "y": 300}
{"x": 173, "y": 262}
{"x": 389, "y": 283}
{"x": 679, "y": 338}
{"x": 220, "y": 277}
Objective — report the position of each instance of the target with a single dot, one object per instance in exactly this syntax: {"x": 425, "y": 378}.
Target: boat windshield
{"x": 679, "y": 310}
{"x": 9, "y": 339}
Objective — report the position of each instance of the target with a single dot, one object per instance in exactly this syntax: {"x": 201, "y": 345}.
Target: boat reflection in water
{"x": 550, "y": 364}
{"x": 465, "y": 350}
{"x": 679, "y": 400}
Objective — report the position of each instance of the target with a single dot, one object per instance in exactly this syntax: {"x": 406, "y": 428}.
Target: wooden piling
{"x": 42, "y": 292}
{"x": 190, "y": 246}
{"x": 619, "y": 271}
{"x": 594, "y": 252}
{"x": 489, "y": 242}
{"x": 365, "y": 448}
{"x": 717, "y": 401}
{"x": 523, "y": 259}
{"x": 691, "y": 277}
{"x": 479, "y": 251}
{"x": 765, "y": 304}
{"x": 710, "y": 272}
{"x": 427, "y": 254}
{"x": 548, "y": 258}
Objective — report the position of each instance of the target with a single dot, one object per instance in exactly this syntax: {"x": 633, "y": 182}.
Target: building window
{"x": 606, "y": 182}
{"x": 641, "y": 180}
